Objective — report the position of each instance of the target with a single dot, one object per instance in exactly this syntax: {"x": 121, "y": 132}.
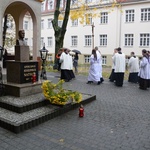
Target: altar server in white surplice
{"x": 71, "y": 66}
{"x": 112, "y": 75}
{"x": 119, "y": 69}
{"x": 99, "y": 56}
{"x": 94, "y": 71}
{"x": 144, "y": 73}
{"x": 133, "y": 65}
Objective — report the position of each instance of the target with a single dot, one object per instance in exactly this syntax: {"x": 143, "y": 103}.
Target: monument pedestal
{"x": 20, "y": 90}
{"x": 19, "y": 74}
{"x": 22, "y": 53}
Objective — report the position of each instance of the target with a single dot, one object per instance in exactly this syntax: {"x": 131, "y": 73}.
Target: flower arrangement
{"x": 57, "y": 95}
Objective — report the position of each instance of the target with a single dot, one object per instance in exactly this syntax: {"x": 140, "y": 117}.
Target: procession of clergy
{"x": 139, "y": 71}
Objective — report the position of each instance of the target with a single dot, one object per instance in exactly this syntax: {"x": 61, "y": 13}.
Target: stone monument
{"x": 20, "y": 71}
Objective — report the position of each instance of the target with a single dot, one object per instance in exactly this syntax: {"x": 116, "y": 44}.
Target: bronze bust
{"x": 21, "y": 40}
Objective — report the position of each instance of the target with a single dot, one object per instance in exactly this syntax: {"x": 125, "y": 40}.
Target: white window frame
{"x": 27, "y": 40}
{"x": 145, "y": 39}
{"x": 74, "y": 40}
{"x": 104, "y": 18}
{"x": 73, "y": 2}
{"x": 42, "y": 41}
{"x": 145, "y": 14}
{"x": 61, "y": 3}
{"x": 49, "y": 57}
{"x": 75, "y": 22}
{"x": 104, "y": 60}
{"x": 128, "y": 39}
{"x": 103, "y": 39}
{"x": 60, "y": 23}
{"x": 26, "y": 25}
{"x": 86, "y": 58}
{"x": 129, "y": 15}
{"x": 50, "y": 4}
{"x": 88, "y": 1}
{"x": 88, "y": 40}
{"x": 88, "y": 19}
{"x": 42, "y": 7}
{"x": 50, "y": 41}
{"x": 42, "y": 24}
{"x": 49, "y": 23}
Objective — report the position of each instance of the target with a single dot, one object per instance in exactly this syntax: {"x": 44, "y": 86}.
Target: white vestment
{"x": 119, "y": 62}
{"x": 94, "y": 71}
{"x": 70, "y": 62}
{"x": 144, "y": 72}
{"x": 65, "y": 61}
{"x": 133, "y": 64}
{"x": 99, "y": 56}
{"x": 113, "y": 65}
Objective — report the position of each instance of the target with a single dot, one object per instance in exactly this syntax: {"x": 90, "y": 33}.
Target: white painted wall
{"x": 115, "y": 30}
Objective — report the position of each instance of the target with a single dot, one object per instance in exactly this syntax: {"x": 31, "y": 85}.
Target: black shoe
{"x": 89, "y": 82}
{"x": 142, "y": 88}
{"x": 98, "y": 83}
{"x": 66, "y": 80}
{"x": 101, "y": 80}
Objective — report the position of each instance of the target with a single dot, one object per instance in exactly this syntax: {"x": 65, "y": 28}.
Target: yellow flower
{"x": 57, "y": 95}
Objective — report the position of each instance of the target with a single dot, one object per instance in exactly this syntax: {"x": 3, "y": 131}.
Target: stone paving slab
{"x": 118, "y": 120}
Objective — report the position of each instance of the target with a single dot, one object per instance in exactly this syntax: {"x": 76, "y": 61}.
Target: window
{"x": 75, "y": 22}
{"x": 103, "y": 40}
{"x": 129, "y": 40}
{"x": 42, "y": 7}
{"x": 73, "y": 2}
{"x": 129, "y": 16}
{"x": 104, "y": 18}
{"x": 26, "y": 39}
{"x": 88, "y": 40}
{"x": 88, "y": 1}
{"x": 88, "y": 19}
{"x": 104, "y": 60}
{"x": 31, "y": 41}
{"x": 26, "y": 24}
{"x": 145, "y": 14}
{"x": 50, "y": 41}
{"x": 74, "y": 40}
{"x": 61, "y": 3}
{"x": 145, "y": 39}
{"x": 87, "y": 58}
{"x": 42, "y": 24}
{"x": 42, "y": 41}
{"x": 49, "y": 23}
{"x": 105, "y": 1}
{"x": 10, "y": 24}
{"x": 50, "y": 5}
{"x": 60, "y": 23}
{"x": 49, "y": 57}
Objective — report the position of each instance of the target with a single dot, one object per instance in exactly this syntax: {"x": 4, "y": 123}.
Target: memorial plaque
{"x": 27, "y": 70}
{"x": 21, "y": 72}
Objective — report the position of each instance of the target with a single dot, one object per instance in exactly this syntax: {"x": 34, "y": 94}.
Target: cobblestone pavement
{"x": 118, "y": 120}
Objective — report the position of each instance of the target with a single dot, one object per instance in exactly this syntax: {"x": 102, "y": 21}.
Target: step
{"x": 18, "y": 122}
{"x": 23, "y": 104}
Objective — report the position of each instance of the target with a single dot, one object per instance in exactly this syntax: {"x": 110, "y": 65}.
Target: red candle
{"x": 33, "y": 78}
{"x": 81, "y": 111}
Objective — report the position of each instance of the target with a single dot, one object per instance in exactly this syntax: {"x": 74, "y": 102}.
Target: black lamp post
{"x": 43, "y": 53}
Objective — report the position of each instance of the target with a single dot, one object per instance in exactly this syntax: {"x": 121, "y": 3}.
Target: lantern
{"x": 43, "y": 53}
